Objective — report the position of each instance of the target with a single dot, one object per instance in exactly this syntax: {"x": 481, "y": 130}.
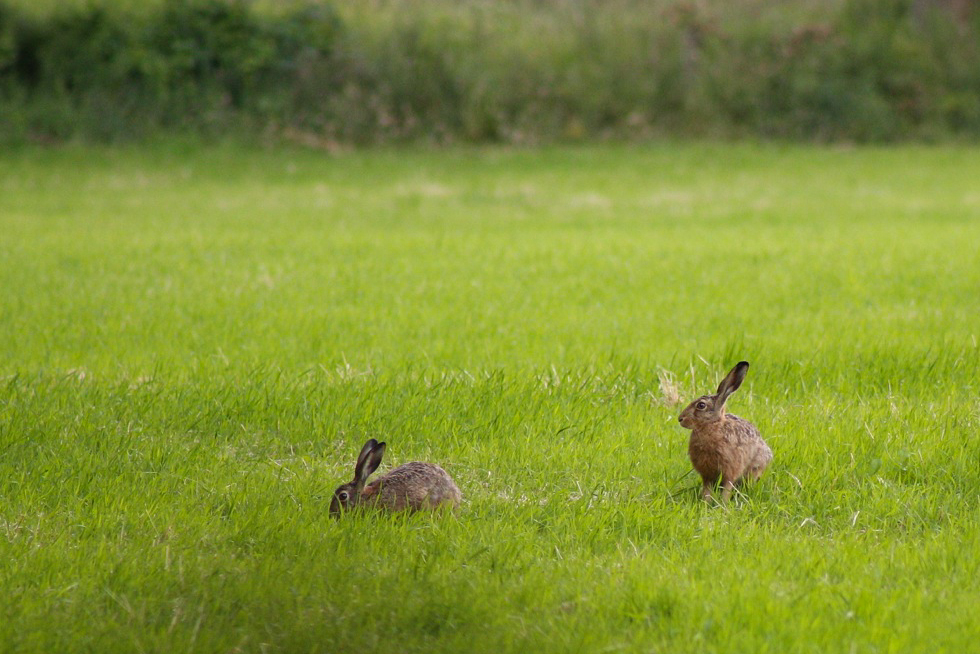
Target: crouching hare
{"x": 412, "y": 486}
{"x": 723, "y": 446}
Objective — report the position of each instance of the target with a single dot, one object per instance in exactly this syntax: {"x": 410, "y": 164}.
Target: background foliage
{"x": 477, "y": 71}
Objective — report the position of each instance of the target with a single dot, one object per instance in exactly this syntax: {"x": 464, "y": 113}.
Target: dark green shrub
{"x": 521, "y": 71}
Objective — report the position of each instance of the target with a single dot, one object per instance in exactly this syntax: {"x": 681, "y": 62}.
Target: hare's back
{"x": 758, "y": 455}
{"x": 416, "y": 486}
{"x": 743, "y": 430}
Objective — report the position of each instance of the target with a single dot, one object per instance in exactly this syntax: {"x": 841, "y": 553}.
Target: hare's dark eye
{"x": 702, "y": 405}
{"x": 342, "y": 496}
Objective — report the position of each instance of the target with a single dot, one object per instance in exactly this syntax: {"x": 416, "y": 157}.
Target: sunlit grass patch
{"x": 197, "y": 342}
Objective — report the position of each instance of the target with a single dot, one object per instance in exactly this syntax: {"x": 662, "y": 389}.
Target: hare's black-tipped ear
{"x": 370, "y": 445}
{"x": 732, "y": 380}
{"x": 368, "y": 462}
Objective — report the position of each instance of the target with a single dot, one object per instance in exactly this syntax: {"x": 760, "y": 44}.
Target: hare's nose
{"x": 680, "y": 419}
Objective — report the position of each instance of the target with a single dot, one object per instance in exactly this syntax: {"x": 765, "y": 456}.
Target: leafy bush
{"x": 521, "y": 71}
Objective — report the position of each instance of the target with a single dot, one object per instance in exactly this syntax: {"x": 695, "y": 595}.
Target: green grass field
{"x": 195, "y": 343}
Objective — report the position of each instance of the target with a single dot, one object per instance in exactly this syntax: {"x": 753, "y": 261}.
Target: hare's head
{"x": 349, "y": 494}
{"x": 711, "y": 408}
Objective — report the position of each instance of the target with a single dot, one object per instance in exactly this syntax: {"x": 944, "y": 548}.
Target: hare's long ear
{"x": 368, "y": 446}
{"x": 368, "y": 462}
{"x": 362, "y": 459}
{"x": 732, "y": 381}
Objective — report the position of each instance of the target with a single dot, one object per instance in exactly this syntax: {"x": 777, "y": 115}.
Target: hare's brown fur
{"x": 413, "y": 486}
{"x": 724, "y": 447}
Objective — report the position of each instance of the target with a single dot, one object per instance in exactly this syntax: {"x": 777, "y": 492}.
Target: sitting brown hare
{"x": 723, "y": 446}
